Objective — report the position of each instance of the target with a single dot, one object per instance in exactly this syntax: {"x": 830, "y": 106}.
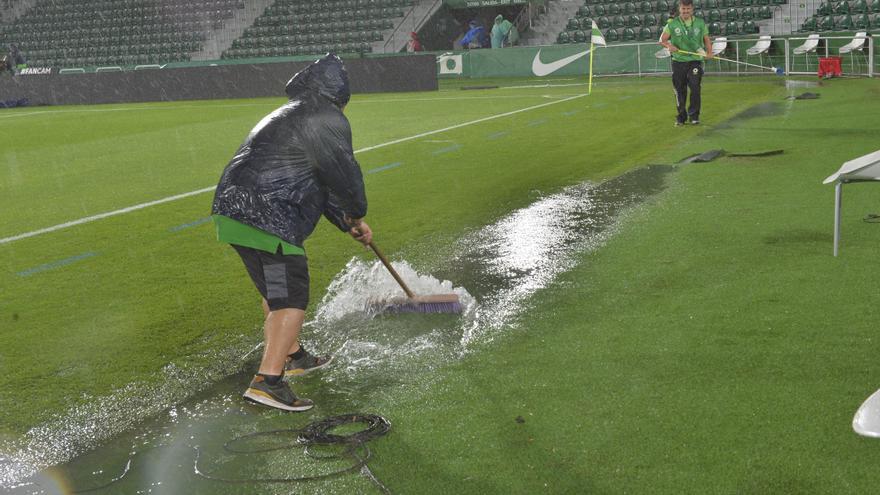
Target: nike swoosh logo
{"x": 541, "y": 69}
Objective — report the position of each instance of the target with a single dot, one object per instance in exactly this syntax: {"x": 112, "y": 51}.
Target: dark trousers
{"x": 687, "y": 76}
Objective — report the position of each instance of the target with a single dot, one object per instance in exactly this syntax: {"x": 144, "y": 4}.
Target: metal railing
{"x": 409, "y": 24}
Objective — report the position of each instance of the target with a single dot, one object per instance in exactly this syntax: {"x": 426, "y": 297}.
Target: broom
{"x": 779, "y": 71}
{"x": 436, "y": 303}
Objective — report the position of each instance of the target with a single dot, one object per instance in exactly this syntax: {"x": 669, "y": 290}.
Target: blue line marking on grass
{"x": 600, "y": 105}
{"x": 570, "y": 113}
{"x": 384, "y": 167}
{"x": 56, "y": 264}
{"x": 536, "y": 122}
{"x": 496, "y": 135}
{"x": 196, "y": 223}
{"x": 448, "y": 149}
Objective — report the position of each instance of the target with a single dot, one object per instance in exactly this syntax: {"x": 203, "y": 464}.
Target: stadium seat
{"x": 612, "y": 35}
{"x": 841, "y": 8}
{"x": 580, "y": 37}
{"x": 860, "y": 6}
{"x": 618, "y": 22}
{"x": 714, "y": 15}
{"x": 730, "y": 28}
{"x": 599, "y": 11}
{"x": 584, "y": 11}
{"x": 573, "y": 25}
{"x": 810, "y": 25}
{"x": 645, "y": 34}
{"x": 731, "y": 15}
{"x": 715, "y": 29}
{"x": 875, "y": 6}
{"x": 649, "y": 20}
{"x": 646, "y": 7}
{"x": 749, "y": 27}
{"x": 614, "y": 9}
{"x": 630, "y": 8}
{"x": 603, "y": 23}
{"x": 843, "y": 22}
{"x": 862, "y": 21}
{"x": 634, "y": 21}
{"x": 747, "y": 14}
{"x": 764, "y": 12}
{"x": 563, "y": 38}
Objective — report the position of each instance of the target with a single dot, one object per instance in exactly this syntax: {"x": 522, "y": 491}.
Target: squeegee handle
{"x": 391, "y": 270}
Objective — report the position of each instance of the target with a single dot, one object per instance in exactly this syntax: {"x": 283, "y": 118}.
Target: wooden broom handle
{"x": 391, "y": 269}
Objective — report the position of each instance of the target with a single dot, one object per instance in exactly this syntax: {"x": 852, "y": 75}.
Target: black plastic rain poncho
{"x": 298, "y": 162}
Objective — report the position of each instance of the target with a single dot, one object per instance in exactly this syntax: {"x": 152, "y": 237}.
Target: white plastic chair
{"x": 856, "y": 45}
{"x": 661, "y": 54}
{"x": 809, "y": 46}
{"x": 719, "y": 45}
{"x": 718, "y": 48}
{"x": 760, "y": 48}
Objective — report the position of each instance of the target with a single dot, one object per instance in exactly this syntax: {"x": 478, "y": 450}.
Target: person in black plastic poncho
{"x": 296, "y": 165}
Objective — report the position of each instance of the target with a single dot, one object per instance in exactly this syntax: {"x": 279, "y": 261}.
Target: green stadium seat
{"x": 645, "y": 34}
{"x": 749, "y": 27}
{"x": 580, "y": 37}
{"x": 810, "y": 25}
{"x": 614, "y": 9}
{"x": 612, "y": 35}
{"x": 600, "y": 10}
{"x": 747, "y": 14}
{"x": 731, "y": 15}
{"x": 563, "y": 38}
{"x": 843, "y": 22}
{"x": 603, "y": 23}
{"x": 860, "y": 6}
{"x": 715, "y": 29}
{"x": 875, "y": 6}
{"x": 730, "y": 28}
{"x": 584, "y": 11}
{"x": 634, "y": 21}
{"x": 827, "y": 23}
{"x": 861, "y": 21}
{"x": 649, "y": 20}
{"x": 646, "y": 7}
{"x": 630, "y": 8}
{"x": 618, "y": 22}
{"x": 573, "y": 25}
{"x": 662, "y": 7}
{"x": 628, "y": 35}
{"x": 714, "y": 15}
{"x": 764, "y": 12}
{"x": 841, "y": 8}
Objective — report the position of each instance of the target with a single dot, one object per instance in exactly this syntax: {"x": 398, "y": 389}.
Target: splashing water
{"x": 378, "y": 358}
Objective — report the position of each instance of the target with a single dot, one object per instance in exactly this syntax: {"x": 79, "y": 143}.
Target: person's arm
{"x": 338, "y": 171}
{"x": 708, "y": 44}
{"x": 664, "y": 40}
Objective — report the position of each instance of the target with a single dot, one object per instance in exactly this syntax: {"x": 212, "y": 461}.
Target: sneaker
{"x": 305, "y": 364}
{"x": 279, "y": 396}
{"x": 695, "y": 121}
{"x": 678, "y": 124}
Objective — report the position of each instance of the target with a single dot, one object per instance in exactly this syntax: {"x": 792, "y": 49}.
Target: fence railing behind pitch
{"x": 647, "y": 58}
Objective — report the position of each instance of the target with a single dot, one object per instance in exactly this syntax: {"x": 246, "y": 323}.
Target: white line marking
{"x": 275, "y": 103}
{"x": 208, "y": 189}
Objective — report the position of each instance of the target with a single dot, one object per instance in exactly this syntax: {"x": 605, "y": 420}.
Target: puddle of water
{"x": 766, "y": 109}
{"x": 379, "y": 359}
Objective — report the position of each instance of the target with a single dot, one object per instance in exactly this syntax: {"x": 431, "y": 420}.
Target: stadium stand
{"x": 77, "y": 33}
{"x": 82, "y": 33}
{"x": 647, "y": 18}
{"x": 296, "y": 27}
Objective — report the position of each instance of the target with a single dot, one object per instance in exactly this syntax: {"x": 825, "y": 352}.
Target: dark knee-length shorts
{"x": 282, "y": 280}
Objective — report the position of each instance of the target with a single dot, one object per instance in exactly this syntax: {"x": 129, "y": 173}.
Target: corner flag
{"x": 596, "y": 38}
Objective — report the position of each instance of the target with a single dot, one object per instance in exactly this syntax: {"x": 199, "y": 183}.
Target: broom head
{"x": 436, "y": 303}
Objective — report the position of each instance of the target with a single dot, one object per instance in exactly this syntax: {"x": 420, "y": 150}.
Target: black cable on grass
{"x": 314, "y": 434}
{"x": 872, "y": 218}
